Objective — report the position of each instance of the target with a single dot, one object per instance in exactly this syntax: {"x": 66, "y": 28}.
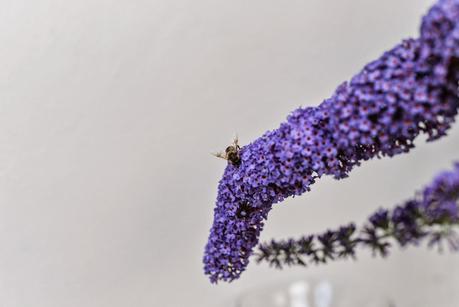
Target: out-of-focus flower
{"x": 409, "y": 90}
{"x": 432, "y": 215}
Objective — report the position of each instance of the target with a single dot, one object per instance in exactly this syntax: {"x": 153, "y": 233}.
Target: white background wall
{"x": 109, "y": 110}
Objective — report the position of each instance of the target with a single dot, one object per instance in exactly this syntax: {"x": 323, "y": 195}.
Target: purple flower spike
{"x": 430, "y": 216}
{"x": 409, "y": 90}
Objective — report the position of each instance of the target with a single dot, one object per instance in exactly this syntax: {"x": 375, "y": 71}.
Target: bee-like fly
{"x": 231, "y": 153}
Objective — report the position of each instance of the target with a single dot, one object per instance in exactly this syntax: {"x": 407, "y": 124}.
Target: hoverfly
{"x": 231, "y": 153}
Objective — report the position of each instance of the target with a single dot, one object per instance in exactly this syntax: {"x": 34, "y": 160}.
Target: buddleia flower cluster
{"x": 410, "y": 90}
{"x": 431, "y": 216}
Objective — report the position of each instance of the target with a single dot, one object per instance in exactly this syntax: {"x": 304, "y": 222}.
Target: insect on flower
{"x": 231, "y": 153}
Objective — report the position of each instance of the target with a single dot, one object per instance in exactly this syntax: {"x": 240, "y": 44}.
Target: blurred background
{"x": 109, "y": 111}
